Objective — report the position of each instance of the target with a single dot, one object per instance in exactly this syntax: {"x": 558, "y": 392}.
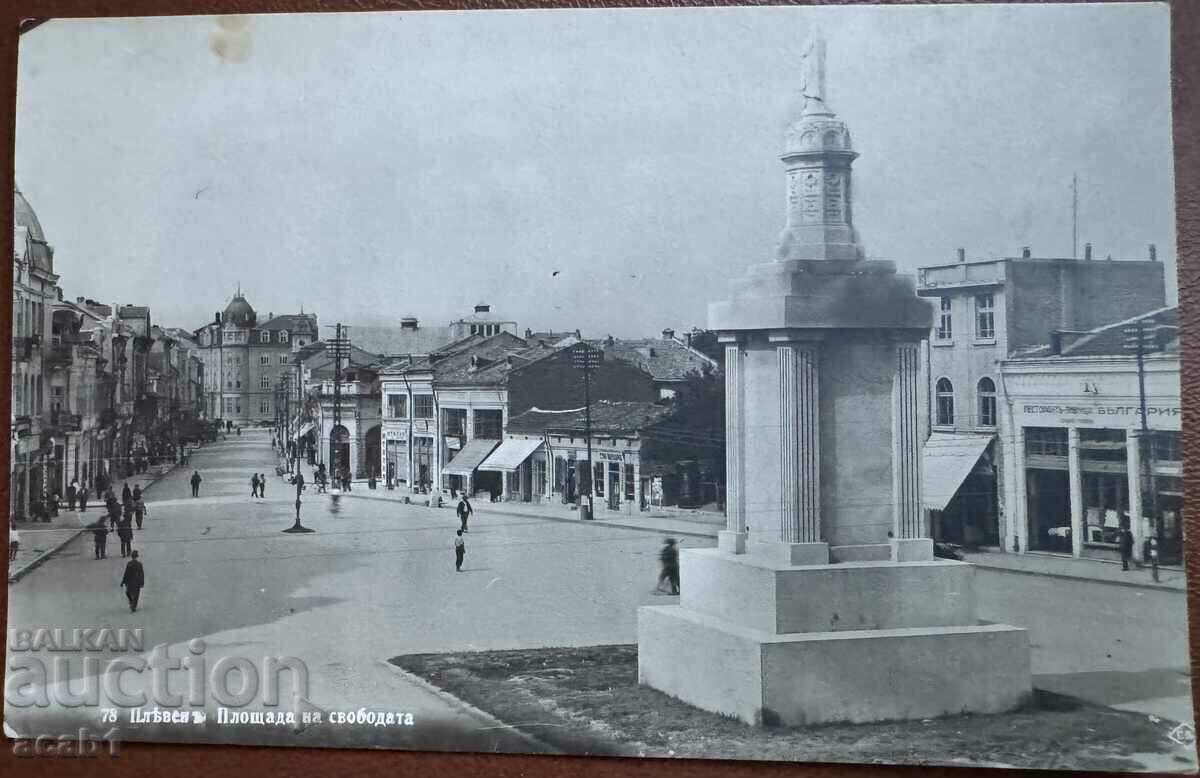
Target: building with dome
{"x": 246, "y": 361}
{"x": 35, "y": 290}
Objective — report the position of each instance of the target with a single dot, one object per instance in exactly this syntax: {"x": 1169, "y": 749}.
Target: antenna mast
{"x": 1074, "y": 216}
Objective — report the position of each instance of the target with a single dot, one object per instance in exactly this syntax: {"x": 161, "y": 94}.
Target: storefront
{"x": 959, "y": 485}
{"x": 1083, "y": 467}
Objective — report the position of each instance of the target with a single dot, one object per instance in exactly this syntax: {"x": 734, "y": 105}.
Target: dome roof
{"x": 239, "y": 312}
{"x": 24, "y": 216}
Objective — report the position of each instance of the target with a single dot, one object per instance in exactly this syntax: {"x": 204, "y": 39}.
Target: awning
{"x": 469, "y": 458}
{"x": 946, "y": 461}
{"x": 511, "y": 455}
{"x": 304, "y": 430}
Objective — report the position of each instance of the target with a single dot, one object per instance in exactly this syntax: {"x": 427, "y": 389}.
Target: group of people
{"x": 258, "y": 485}
{"x": 121, "y": 516}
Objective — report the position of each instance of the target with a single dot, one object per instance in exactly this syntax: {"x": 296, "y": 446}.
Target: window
{"x": 1046, "y": 441}
{"x": 423, "y": 406}
{"x": 630, "y": 485}
{"x": 1164, "y": 447}
{"x": 264, "y": 337}
{"x": 489, "y": 424}
{"x": 397, "y": 405}
{"x": 264, "y": 382}
{"x": 598, "y": 469}
{"x": 945, "y": 328}
{"x": 265, "y": 359}
{"x": 945, "y": 403}
{"x": 987, "y": 402}
{"x": 984, "y": 317}
{"x": 283, "y": 359}
{"x": 238, "y": 383}
{"x": 454, "y": 422}
{"x": 229, "y": 405}
{"x": 264, "y": 406}
{"x": 283, "y": 336}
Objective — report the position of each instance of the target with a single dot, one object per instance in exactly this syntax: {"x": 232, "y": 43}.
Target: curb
{"x": 35, "y": 563}
{"x": 561, "y": 519}
{"x": 481, "y": 715}
{"x": 1065, "y": 577}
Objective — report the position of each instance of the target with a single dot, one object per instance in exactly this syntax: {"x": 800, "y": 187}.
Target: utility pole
{"x": 298, "y": 527}
{"x": 341, "y": 347}
{"x": 1074, "y": 216}
{"x": 587, "y": 358}
{"x": 1141, "y": 337}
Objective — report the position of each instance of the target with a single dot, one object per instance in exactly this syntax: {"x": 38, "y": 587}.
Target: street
{"x": 377, "y": 579}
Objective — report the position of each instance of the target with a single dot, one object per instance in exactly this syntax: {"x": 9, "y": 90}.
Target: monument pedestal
{"x": 777, "y": 644}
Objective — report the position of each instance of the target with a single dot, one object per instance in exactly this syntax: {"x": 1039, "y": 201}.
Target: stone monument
{"x": 823, "y": 601}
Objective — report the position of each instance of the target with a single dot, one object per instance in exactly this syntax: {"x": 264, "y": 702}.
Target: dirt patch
{"x": 588, "y": 701}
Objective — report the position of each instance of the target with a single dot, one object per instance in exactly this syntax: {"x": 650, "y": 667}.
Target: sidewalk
{"x": 41, "y": 540}
{"x": 684, "y": 523}
{"x": 1065, "y": 567}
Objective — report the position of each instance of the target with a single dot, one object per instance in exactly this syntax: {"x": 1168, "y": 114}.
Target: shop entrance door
{"x": 1049, "y": 510}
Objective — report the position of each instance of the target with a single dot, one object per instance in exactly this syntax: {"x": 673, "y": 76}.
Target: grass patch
{"x": 588, "y": 701}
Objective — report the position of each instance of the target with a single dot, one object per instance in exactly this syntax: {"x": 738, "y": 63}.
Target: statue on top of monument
{"x": 812, "y": 72}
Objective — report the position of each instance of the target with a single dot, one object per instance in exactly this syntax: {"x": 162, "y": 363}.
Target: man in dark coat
{"x": 126, "y": 495}
{"x": 83, "y": 498}
{"x": 669, "y": 556}
{"x": 133, "y": 581}
{"x": 139, "y": 510}
{"x": 125, "y": 533}
{"x": 254, "y": 485}
{"x": 1126, "y": 547}
{"x": 114, "y": 511}
{"x": 100, "y": 537}
{"x": 464, "y": 511}
{"x": 196, "y": 479}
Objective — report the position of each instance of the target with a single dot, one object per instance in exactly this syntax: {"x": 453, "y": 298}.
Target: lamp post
{"x": 586, "y": 358}
{"x": 298, "y": 527}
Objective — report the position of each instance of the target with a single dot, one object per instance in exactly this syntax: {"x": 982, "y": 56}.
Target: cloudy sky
{"x": 607, "y": 170}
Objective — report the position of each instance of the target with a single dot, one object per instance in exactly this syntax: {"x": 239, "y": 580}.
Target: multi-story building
{"x": 245, "y": 359}
{"x": 671, "y": 362}
{"x": 1081, "y": 463}
{"x": 35, "y": 291}
{"x": 984, "y": 312}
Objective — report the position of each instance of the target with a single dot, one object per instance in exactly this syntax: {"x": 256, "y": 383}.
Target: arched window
{"x": 945, "y": 403}
{"x": 987, "y": 402}
{"x": 264, "y": 336}
{"x": 283, "y": 336}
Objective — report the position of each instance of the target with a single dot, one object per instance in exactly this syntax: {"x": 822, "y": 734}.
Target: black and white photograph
{"x": 796, "y": 384}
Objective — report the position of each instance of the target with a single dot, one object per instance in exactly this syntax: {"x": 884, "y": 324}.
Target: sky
{"x": 608, "y": 170}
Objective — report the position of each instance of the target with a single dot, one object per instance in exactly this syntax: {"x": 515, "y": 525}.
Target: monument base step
{"x": 826, "y": 677}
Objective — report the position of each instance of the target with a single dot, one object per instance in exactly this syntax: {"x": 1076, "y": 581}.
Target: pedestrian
{"x": 126, "y": 494}
{"x": 100, "y": 537}
{"x": 133, "y": 581}
{"x": 196, "y": 479}
{"x": 137, "y": 494}
{"x": 464, "y": 511}
{"x": 72, "y": 494}
{"x": 262, "y": 485}
{"x": 139, "y": 510}
{"x": 114, "y": 511}
{"x": 239, "y": 430}
{"x": 669, "y": 556}
{"x": 254, "y": 485}
{"x": 1154, "y": 559}
{"x": 460, "y": 550}
{"x": 125, "y": 533}
{"x": 14, "y": 540}
{"x": 83, "y": 498}
{"x": 1126, "y": 542}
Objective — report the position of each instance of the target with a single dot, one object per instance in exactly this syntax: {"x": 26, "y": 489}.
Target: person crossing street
{"x": 464, "y": 511}
{"x": 196, "y": 479}
{"x": 460, "y": 550}
{"x": 254, "y": 485}
{"x": 133, "y": 581}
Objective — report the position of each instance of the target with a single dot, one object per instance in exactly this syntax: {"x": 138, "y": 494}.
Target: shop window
{"x": 1046, "y": 441}
{"x": 1164, "y": 447}
{"x": 984, "y": 317}
{"x": 397, "y": 405}
{"x": 630, "y": 484}
{"x": 598, "y": 470}
{"x": 945, "y": 403}
{"x": 987, "y": 402}
{"x": 945, "y": 328}
{"x": 423, "y": 406}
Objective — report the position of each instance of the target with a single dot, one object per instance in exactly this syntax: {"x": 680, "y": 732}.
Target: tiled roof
{"x": 664, "y": 360}
{"x": 1109, "y": 340}
{"x": 292, "y": 322}
{"x": 454, "y": 368}
{"x": 400, "y": 341}
{"x": 607, "y": 417}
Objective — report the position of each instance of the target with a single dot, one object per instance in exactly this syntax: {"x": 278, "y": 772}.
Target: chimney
{"x": 668, "y": 334}
{"x": 578, "y": 335}
{"x": 1153, "y": 253}
{"x": 1025, "y": 252}
{"x": 482, "y": 308}
{"x": 528, "y": 333}
{"x": 270, "y": 315}
{"x": 218, "y": 317}
{"x": 962, "y": 255}
{"x": 1087, "y": 251}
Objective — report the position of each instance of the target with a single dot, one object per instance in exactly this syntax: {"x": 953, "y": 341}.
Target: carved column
{"x": 799, "y": 454}
{"x": 732, "y": 540}
{"x": 906, "y": 444}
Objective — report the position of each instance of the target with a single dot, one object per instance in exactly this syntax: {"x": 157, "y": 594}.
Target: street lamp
{"x": 298, "y": 527}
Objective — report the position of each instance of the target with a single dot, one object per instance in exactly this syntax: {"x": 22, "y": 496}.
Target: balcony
{"x": 59, "y": 355}
{"x": 23, "y": 347}
{"x": 64, "y": 422}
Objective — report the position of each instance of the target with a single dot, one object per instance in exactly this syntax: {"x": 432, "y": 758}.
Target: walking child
{"x": 460, "y": 550}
